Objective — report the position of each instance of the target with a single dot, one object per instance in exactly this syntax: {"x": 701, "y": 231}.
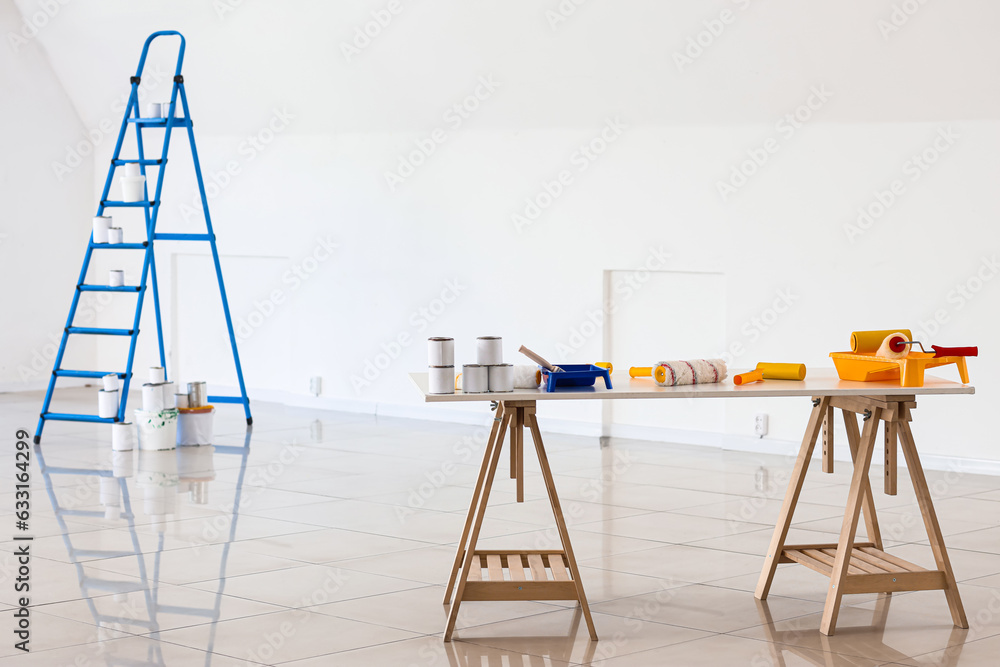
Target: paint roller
{"x": 896, "y": 346}
{"x": 692, "y": 371}
{"x": 868, "y": 342}
{"x": 766, "y": 370}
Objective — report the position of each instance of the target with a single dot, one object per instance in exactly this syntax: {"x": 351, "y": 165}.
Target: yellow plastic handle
{"x": 782, "y": 371}
{"x": 641, "y": 371}
{"x": 747, "y": 378}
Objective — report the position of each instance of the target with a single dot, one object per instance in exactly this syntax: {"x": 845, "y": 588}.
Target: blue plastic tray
{"x": 575, "y": 375}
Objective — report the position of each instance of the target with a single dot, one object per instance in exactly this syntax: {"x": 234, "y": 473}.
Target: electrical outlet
{"x": 316, "y": 385}
{"x": 760, "y": 424}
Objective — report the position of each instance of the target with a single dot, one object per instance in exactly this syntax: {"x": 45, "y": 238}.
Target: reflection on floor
{"x": 326, "y": 538}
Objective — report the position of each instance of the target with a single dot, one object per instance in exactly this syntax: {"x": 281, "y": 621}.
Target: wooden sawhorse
{"x": 514, "y": 574}
{"x": 862, "y": 567}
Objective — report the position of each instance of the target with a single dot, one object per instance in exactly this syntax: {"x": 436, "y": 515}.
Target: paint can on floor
{"x": 122, "y": 437}
{"x": 197, "y": 394}
{"x": 157, "y": 430}
{"x": 194, "y": 426}
{"x": 152, "y": 397}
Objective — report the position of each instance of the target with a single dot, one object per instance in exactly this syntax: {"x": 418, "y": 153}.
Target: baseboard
{"x": 42, "y": 385}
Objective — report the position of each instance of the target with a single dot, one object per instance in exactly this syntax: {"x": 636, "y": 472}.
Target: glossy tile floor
{"x": 326, "y": 538}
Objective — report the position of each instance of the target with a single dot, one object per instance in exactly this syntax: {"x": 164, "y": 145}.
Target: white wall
{"x": 45, "y": 186}
{"x": 344, "y": 123}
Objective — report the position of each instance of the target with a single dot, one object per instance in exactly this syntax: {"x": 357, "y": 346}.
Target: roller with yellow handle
{"x": 771, "y": 371}
{"x": 683, "y": 372}
{"x": 748, "y": 378}
{"x": 658, "y": 373}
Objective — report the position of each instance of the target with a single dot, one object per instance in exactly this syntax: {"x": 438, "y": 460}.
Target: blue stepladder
{"x": 151, "y": 207}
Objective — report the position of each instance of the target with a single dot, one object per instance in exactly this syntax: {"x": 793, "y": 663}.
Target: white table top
{"x": 818, "y": 382}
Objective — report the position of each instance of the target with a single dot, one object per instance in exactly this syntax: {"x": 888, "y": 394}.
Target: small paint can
{"x": 110, "y": 382}
{"x": 501, "y": 377}
{"x": 107, "y": 404}
{"x": 115, "y": 235}
{"x": 152, "y": 110}
{"x": 475, "y": 379}
{"x": 116, "y": 278}
{"x": 197, "y": 394}
{"x": 122, "y": 437}
{"x": 102, "y": 224}
{"x": 440, "y": 351}
{"x": 489, "y": 350}
{"x": 181, "y": 401}
{"x": 157, "y": 375}
{"x": 152, "y": 397}
{"x": 441, "y": 380}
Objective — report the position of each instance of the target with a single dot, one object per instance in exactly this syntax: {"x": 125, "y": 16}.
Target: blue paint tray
{"x": 575, "y": 375}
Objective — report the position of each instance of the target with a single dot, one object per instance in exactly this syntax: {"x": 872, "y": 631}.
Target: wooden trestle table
{"x": 849, "y": 566}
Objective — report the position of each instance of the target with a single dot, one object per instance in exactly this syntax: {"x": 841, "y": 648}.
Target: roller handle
{"x": 538, "y": 359}
{"x": 939, "y": 351}
{"x": 747, "y": 378}
{"x": 640, "y": 371}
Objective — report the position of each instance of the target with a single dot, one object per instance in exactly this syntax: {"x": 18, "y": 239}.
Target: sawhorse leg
{"x": 496, "y": 438}
{"x": 863, "y": 567}
{"x": 553, "y": 574}
{"x": 791, "y": 497}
